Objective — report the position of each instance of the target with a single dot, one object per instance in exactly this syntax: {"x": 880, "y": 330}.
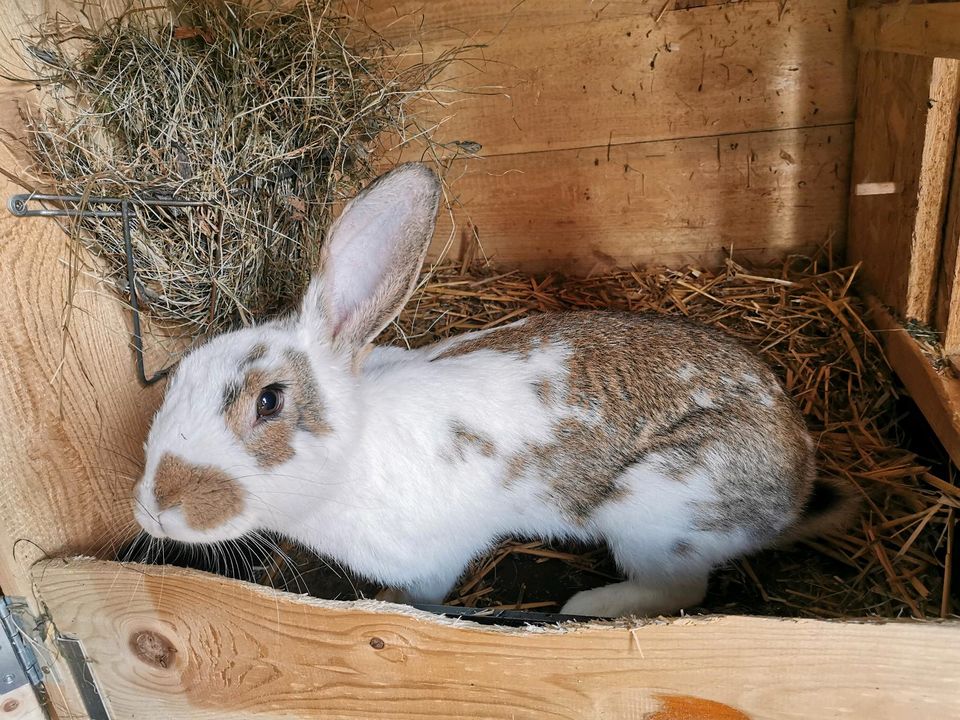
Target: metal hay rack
{"x": 77, "y": 206}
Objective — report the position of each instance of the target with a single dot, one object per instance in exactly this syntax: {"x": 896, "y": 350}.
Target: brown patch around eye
{"x": 206, "y": 496}
{"x": 270, "y": 439}
{"x": 271, "y": 443}
{"x": 310, "y": 416}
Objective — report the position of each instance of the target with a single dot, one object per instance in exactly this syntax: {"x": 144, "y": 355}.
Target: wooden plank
{"x": 931, "y": 30}
{"x": 936, "y": 394}
{"x": 763, "y": 195}
{"x": 20, "y": 704}
{"x": 935, "y": 165}
{"x": 570, "y": 75}
{"x": 904, "y": 136}
{"x": 165, "y": 642}
{"x": 947, "y": 306}
{"x": 72, "y": 431}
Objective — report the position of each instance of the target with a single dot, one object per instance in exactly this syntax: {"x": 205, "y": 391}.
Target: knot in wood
{"x": 153, "y": 649}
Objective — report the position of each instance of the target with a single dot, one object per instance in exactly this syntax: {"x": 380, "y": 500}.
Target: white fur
{"x": 380, "y": 493}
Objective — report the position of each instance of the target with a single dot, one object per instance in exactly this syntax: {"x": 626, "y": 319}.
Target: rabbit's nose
{"x": 150, "y": 522}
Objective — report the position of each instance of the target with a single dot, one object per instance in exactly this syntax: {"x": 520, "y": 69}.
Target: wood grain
{"x": 573, "y": 75}
{"x": 176, "y": 643}
{"x": 930, "y": 30}
{"x": 901, "y": 137}
{"x": 75, "y": 417}
{"x": 947, "y": 305}
{"x": 936, "y": 164}
{"x": 763, "y": 195}
{"x": 20, "y": 704}
{"x": 936, "y": 394}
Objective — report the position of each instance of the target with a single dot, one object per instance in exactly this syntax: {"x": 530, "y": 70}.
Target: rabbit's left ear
{"x": 372, "y": 257}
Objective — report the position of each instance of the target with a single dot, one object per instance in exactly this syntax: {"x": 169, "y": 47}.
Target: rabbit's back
{"x": 630, "y": 391}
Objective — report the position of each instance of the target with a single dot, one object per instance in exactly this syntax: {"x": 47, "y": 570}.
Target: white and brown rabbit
{"x": 660, "y": 437}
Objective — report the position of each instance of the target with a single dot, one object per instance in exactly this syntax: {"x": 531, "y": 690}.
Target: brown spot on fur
{"x": 465, "y": 440}
{"x": 519, "y": 338}
{"x": 683, "y": 549}
{"x": 207, "y": 496}
{"x": 631, "y": 402}
{"x": 545, "y": 391}
{"x": 271, "y": 443}
{"x": 231, "y": 393}
{"x": 306, "y": 394}
{"x": 270, "y": 440}
{"x": 257, "y": 352}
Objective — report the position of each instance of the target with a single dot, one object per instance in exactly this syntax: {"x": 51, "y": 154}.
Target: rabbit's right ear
{"x": 372, "y": 257}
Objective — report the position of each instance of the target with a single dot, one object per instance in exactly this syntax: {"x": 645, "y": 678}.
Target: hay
{"x": 803, "y": 320}
{"x": 270, "y": 116}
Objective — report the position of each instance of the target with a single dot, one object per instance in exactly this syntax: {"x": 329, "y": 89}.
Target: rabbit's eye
{"x": 269, "y": 402}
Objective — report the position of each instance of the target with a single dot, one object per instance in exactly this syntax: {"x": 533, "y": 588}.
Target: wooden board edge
{"x": 172, "y": 573}
{"x": 218, "y": 648}
{"x": 929, "y": 30}
{"x": 936, "y": 394}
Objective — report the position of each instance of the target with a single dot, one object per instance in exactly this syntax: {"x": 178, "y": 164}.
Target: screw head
{"x": 8, "y": 679}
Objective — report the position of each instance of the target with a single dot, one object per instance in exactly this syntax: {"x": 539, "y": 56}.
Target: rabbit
{"x": 659, "y": 436}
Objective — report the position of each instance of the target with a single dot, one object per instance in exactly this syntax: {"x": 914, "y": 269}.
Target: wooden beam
{"x": 166, "y": 642}
{"x": 947, "y": 318}
{"x": 761, "y": 195}
{"x": 904, "y": 142}
{"x": 936, "y": 163}
{"x": 937, "y": 394}
{"x": 931, "y": 30}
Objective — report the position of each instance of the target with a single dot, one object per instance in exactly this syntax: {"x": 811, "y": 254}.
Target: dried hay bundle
{"x": 268, "y": 115}
{"x": 803, "y": 320}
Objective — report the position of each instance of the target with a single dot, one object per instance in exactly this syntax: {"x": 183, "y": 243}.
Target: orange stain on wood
{"x": 687, "y": 707}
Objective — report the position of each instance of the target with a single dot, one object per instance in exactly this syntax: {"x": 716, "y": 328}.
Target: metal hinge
{"x": 19, "y": 664}
{"x": 25, "y": 658}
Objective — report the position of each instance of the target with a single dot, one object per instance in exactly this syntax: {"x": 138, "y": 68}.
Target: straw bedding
{"x": 801, "y": 318}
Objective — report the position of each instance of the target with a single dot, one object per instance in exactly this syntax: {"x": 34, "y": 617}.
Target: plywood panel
{"x": 931, "y": 30}
{"x": 761, "y": 195}
{"x": 174, "y": 643}
{"x": 571, "y": 75}
{"x": 904, "y": 139}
